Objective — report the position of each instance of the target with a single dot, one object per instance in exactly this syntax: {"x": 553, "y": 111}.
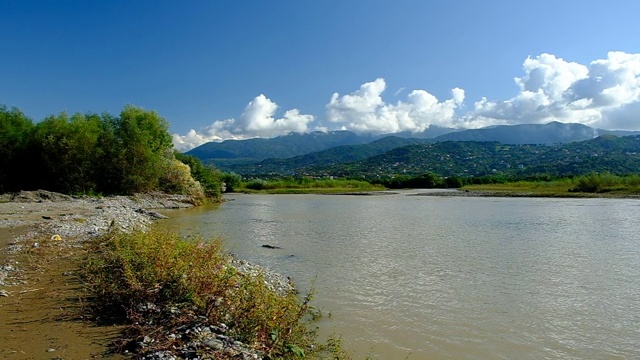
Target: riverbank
{"x": 44, "y": 236}
{"x": 528, "y": 194}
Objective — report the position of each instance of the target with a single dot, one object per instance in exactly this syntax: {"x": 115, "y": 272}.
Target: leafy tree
{"x": 15, "y": 134}
{"x": 143, "y": 149}
{"x": 98, "y": 154}
{"x": 453, "y": 182}
{"x": 67, "y": 152}
{"x": 424, "y": 181}
{"x": 232, "y": 181}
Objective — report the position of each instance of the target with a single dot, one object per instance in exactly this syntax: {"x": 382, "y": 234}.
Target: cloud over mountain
{"x": 365, "y": 111}
{"x": 604, "y": 94}
{"x": 257, "y": 120}
{"x": 599, "y": 95}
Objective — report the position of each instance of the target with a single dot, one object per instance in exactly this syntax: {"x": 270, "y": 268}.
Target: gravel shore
{"x": 72, "y": 220}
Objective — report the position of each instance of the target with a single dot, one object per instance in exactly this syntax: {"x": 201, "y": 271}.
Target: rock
{"x": 215, "y": 344}
{"x": 51, "y": 350}
{"x": 271, "y": 246}
{"x": 155, "y": 215}
{"x": 47, "y": 217}
{"x": 40, "y": 196}
{"x": 151, "y": 214}
{"x": 4, "y": 293}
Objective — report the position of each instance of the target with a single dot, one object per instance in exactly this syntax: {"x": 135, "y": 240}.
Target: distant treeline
{"x": 433, "y": 181}
{"x": 97, "y": 154}
{"x": 589, "y": 183}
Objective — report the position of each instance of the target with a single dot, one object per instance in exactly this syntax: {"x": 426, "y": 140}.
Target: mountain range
{"x": 344, "y": 153}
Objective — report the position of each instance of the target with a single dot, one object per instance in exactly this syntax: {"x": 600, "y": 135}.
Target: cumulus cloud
{"x": 365, "y": 111}
{"x": 604, "y": 93}
{"x": 601, "y": 94}
{"x": 257, "y": 120}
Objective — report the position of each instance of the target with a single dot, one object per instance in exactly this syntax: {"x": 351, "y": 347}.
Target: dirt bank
{"x": 41, "y": 235}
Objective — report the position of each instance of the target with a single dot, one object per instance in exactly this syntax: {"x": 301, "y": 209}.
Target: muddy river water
{"x": 450, "y": 277}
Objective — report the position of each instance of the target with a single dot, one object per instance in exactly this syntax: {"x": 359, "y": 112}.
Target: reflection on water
{"x": 451, "y": 277}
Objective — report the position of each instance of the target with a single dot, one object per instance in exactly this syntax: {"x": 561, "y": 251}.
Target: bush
{"x": 596, "y": 183}
{"x": 232, "y": 181}
{"x": 208, "y": 177}
{"x": 257, "y": 184}
{"x": 124, "y": 271}
{"x": 177, "y": 179}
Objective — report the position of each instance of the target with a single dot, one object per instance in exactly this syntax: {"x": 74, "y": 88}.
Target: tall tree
{"x": 68, "y": 152}
{"x": 15, "y": 134}
{"x": 145, "y": 147}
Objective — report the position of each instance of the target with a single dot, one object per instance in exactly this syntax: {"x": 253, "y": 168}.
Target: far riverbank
{"x": 525, "y": 194}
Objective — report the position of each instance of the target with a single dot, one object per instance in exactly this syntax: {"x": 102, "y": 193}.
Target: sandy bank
{"x": 40, "y": 240}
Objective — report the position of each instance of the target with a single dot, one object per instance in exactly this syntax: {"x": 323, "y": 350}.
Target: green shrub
{"x": 124, "y": 271}
{"x": 177, "y": 179}
{"x": 209, "y": 178}
{"x": 232, "y": 181}
{"x": 596, "y": 183}
{"x": 257, "y": 184}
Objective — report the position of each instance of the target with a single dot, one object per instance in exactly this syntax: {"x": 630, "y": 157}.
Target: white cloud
{"x": 553, "y": 89}
{"x": 257, "y": 120}
{"x": 363, "y": 102}
{"x": 365, "y": 111}
{"x": 213, "y": 132}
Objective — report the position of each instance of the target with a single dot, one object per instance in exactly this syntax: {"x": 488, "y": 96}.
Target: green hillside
{"x": 333, "y": 156}
{"x": 294, "y": 144}
{"x": 620, "y": 155}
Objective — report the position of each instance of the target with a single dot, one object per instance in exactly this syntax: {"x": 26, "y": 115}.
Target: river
{"x": 424, "y": 277}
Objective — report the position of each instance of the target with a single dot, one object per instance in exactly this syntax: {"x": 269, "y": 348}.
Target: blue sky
{"x": 237, "y": 69}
